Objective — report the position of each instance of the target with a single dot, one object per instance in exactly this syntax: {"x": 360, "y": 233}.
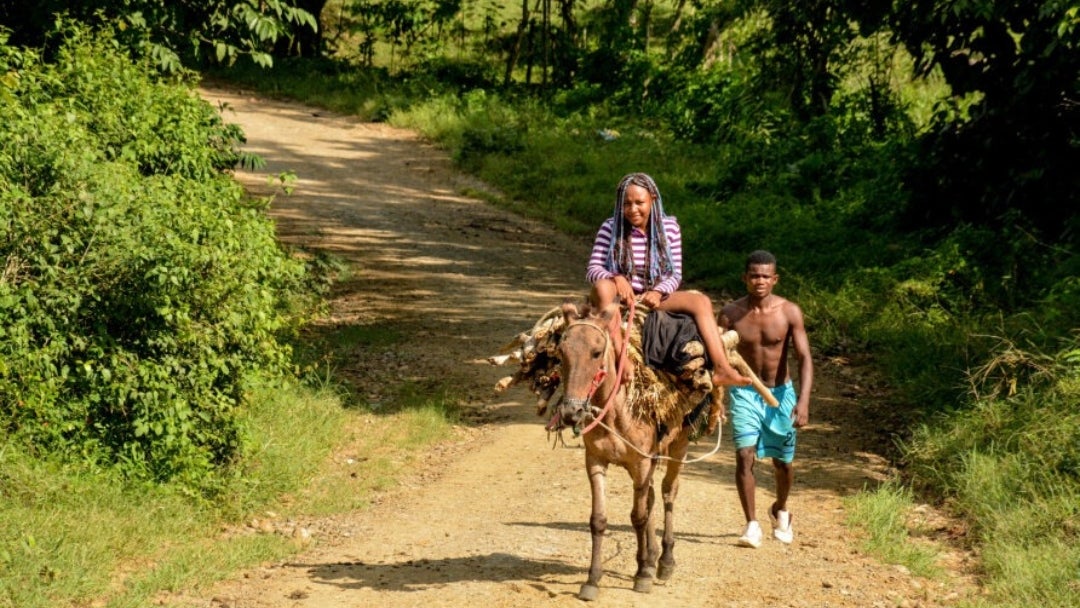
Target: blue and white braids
{"x": 620, "y": 257}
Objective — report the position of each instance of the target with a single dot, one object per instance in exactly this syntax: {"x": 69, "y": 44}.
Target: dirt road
{"x": 500, "y": 518}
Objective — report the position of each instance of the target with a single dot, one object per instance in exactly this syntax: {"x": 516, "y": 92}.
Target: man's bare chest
{"x": 762, "y": 329}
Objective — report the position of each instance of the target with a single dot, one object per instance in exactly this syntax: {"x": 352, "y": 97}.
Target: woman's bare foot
{"x": 729, "y": 377}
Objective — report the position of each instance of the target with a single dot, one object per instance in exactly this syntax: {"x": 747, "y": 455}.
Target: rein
{"x": 719, "y": 435}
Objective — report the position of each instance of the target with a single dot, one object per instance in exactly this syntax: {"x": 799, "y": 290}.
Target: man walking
{"x": 769, "y": 326}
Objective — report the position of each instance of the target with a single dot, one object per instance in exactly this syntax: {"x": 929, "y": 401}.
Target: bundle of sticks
{"x": 536, "y": 351}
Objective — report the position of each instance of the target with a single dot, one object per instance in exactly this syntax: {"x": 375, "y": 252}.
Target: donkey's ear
{"x": 570, "y": 311}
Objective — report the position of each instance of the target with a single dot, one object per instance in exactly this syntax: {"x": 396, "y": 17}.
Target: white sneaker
{"x": 781, "y": 527}
{"x": 751, "y": 536}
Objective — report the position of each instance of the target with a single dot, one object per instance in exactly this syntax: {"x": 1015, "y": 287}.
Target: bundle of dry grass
{"x": 658, "y": 396}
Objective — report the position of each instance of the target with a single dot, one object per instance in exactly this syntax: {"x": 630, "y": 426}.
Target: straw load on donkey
{"x": 659, "y": 395}
{"x": 635, "y": 424}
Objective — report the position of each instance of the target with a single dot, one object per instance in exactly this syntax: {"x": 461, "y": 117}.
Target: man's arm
{"x": 722, "y": 319}
{"x": 806, "y": 363}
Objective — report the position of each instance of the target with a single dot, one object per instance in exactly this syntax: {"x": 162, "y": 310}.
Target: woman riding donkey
{"x": 637, "y": 255}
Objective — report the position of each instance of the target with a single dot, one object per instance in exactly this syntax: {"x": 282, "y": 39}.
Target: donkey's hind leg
{"x": 669, "y": 490}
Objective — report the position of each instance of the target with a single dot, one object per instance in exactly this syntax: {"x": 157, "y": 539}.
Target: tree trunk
{"x": 565, "y": 47}
{"x": 546, "y": 41}
{"x": 566, "y": 11}
{"x": 676, "y": 25}
{"x": 646, "y": 25}
{"x": 515, "y": 51}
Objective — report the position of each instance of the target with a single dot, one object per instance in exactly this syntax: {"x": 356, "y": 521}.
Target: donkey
{"x": 613, "y": 435}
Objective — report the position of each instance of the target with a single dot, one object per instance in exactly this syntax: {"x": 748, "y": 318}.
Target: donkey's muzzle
{"x": 572, "y": 412}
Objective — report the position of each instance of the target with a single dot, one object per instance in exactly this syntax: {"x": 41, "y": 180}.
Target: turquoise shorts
{"x": 755, "y": 423}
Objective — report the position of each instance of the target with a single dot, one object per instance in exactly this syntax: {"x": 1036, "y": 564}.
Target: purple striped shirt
{"x": 667, "y": 284}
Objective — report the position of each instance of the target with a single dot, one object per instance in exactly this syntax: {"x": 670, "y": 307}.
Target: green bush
{"x": 491, "y": 127}
{"x": 140, "y": 287}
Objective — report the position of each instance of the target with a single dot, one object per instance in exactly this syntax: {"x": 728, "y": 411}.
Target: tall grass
{"x": 1010, "y": 466}
{"x": 70, "y": 533}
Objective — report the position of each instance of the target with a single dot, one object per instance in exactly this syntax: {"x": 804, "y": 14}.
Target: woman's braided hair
{"x": 620, "y": 257}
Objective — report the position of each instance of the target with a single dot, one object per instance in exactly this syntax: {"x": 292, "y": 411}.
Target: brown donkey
{"x": 588, "y": 352}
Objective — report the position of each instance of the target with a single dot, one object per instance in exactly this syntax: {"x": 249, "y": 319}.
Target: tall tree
{"x": 801, "y": 48}
{"x": 1012, "y": 161}
{"x": 305, "y": 41}
{"x": 515, "y": 47}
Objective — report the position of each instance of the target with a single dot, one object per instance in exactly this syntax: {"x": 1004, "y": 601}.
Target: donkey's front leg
{"x": 597, "y": 527}
{"x": 669, "y": 489}
{"x": 644, "y": 527}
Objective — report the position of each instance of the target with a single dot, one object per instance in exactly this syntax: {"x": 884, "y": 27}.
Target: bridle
{"x": 598, "y": 380}
{"x": 601, "y": 374}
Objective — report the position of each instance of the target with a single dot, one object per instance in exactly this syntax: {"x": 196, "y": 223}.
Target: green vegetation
{"x": 1010, "y": 463}
{"x": 72, "y": 528}
{"x": 908, "y": 163}
{"x": 149, "y": 398}
{"x": 884, "y": 514}
{"x": 170, "y": 34}
{"x": 141, "y": 288}
{"x": 73, "y": 534}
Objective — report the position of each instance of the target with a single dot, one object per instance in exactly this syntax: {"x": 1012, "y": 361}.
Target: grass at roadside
{"x": 73, "y": 537}
{"x": 367, "y": 95}
{"x": 78, "y": 532}
{"x": 1011, "y": 463}
{"x": 883, "y": 515}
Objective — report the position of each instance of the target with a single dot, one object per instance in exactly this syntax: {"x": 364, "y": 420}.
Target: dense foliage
{"x": 997, "y": 145}
{"x": 172, "y": 32}
{"x": 140, "y": 287}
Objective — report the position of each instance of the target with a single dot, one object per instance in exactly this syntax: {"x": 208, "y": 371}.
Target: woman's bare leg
{"x": 602, "y": 293}
{"x": 699, "y": 306}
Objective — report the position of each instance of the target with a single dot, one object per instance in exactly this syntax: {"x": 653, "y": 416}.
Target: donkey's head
{"x": 587, "y": 356}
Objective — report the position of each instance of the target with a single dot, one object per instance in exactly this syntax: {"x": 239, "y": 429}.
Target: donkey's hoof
{"x": 589, "y": 592}
{"x": 665, "y": 571}
{"x": 643, "y": 584}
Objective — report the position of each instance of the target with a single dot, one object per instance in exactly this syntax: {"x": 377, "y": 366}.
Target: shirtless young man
{"x": 768, "y": 327}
